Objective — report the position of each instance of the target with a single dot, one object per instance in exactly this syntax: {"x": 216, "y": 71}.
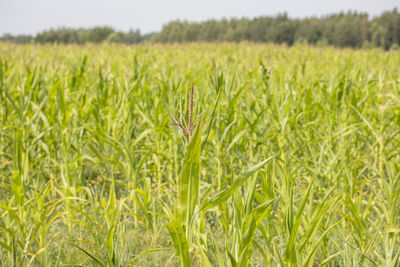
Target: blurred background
{"x": 355, "y": 23}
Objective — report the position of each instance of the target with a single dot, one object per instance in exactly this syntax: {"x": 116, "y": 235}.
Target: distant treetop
{"x": 351, "y": 29}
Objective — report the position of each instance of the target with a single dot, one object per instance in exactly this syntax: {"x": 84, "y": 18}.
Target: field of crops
{"x": 296, "y": 164}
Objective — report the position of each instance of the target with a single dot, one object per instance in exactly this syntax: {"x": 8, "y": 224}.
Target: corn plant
{"x": 279, "y": 156}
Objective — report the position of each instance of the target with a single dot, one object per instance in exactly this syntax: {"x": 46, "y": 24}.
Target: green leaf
{"x": 146, "y": 252}
{"x": 225, "y": 194}
{"x": 97, "y": 260}
{"x": 290, "y": 253}
{"x": 260, "y": 212}
{"x": 311, "y": 254}
{"x": 250, "y": 195}
{"x": 232, "y": 259}
{"x": 189, "y": 182}
{"x": 5, "y": 246}
{"x": 175, "y": 230}
{"x": 248, "y": 230}
{"x": 218, "y": 254}
{"x": 246, "y": 244}
{"x": 211, "y": 116}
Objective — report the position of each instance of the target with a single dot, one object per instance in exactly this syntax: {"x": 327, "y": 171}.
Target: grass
{"x": 297, "y": 162}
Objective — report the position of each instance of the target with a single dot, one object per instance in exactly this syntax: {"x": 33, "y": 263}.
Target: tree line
{"x": 351, "y": 29}
{"x": 79, "y": 36}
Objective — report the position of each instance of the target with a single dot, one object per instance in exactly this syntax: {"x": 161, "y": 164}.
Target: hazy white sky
{"x": 32, "y": 16}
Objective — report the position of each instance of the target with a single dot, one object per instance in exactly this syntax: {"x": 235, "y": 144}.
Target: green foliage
{"x": 177, "y": 234}
{"x": 79, "y": 36}
{"x": 189, "y": 178}
{"x": 342, "y": 30}
{"x": 349, "y": 29}
{"x": 296, "y": 165}
{"x": 224, "y": 195}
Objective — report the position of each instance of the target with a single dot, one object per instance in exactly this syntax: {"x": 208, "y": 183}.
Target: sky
{"x": 33, "y": 16}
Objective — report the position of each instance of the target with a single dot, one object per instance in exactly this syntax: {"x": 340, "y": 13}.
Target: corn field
{"x": 199, "y": 155}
